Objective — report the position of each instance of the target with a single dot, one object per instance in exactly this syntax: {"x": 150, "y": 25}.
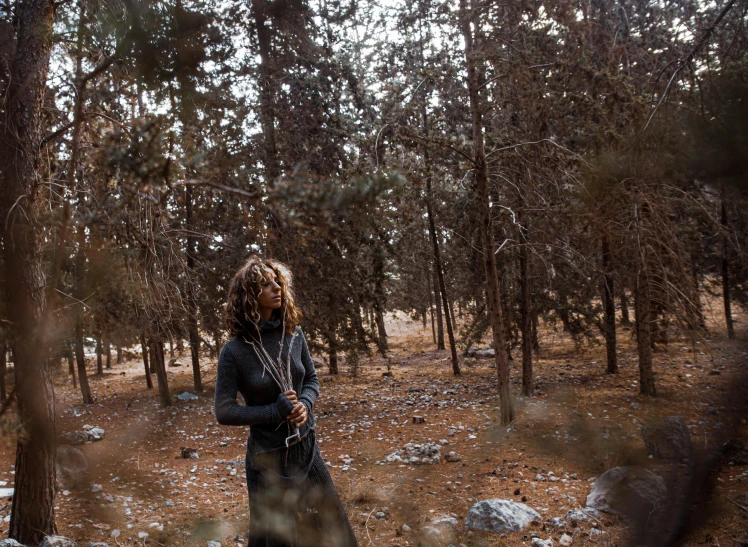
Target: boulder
{"x": 742, "y": 499}
{"x": 76, "y": 437}
{"x": 668, "y": 439}
{"x": 565, "y": 540}
{"x": 6, "y": 492}
{"x": 174, "y": 363}
{"x": 497, "y": 515}
{"x": 452, "y": 457}
{"x": 625, "y": 490}
{"x": 72, "y": 467}
{"x": 439, "y": 533}
{"x": 537, "y": 542}
{"x": 96, "y": 434}
{"x": 187, "y": 396}
{"x": 97, "y": 544}
{"x": 57, "y": 541}
{"x": 10, "y": 542}
{"x": 575, "y": 516}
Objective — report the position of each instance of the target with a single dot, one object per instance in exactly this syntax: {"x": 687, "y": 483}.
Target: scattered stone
{"x": 168, "y": 503}
{"x": 634, "y": 405}
{"x": 214, "y": 544}
{"x": 735, "y": 451}
{"x": 72, "y": 467}
{"x": 96, "y": 434}
{"x": 497, "y": 515}
{"x": 453, "y": 457}
{"x": 174, "y": 363}
{"x": 668, "y": 439}
{"x": 188, "y": 453}
{"x": 575, "y": 516}
{"x": 416, "y": 454}
{"x": 405, "y": 529}
{"x": 76, "y": 437}
{"x": 57, "y": 541}
{"x": 595, "y": 532}
{"x": 621, "y": 490}
{"x": 440, "y": 532}
{"x": 558, "y": 522}
{"x": 10, "y": 542}
{"x": 565, "y": 540}
{"x": 187, "y": 396}
{"x": 537, "y": 542}
{"x": 419, "y": 419}
{"x": 95, "y": 487}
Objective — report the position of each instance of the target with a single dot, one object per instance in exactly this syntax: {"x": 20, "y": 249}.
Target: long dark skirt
{"x": 293, "y": 501}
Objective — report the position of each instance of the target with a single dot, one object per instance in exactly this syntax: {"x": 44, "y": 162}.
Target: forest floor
{"x": 580, "y": 422}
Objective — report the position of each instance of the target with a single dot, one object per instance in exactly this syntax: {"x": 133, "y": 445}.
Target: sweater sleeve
{"x": 310, "y": 386}
{"x": 229, "y": 412}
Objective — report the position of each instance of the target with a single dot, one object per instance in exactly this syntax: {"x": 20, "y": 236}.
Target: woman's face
{"x": 270, "y": 297}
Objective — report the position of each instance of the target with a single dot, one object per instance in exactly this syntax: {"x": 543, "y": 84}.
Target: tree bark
{"x": 625, "y": 317}
{"x": 99, "y": 361}
{"x": 440, "y": 274}
{"x": 609, "y": 307}
{"x": 157, "y": 361}
{"x": 525, "y": 289}
{"x": 144, "y": 349}
{"x": 267, "y": 92}
{"x": 3, "y": 368}
{"x": 32, "y": 510}
{"x": 71, "y": 364}
{"x": 80, "y": 358}
{"x": 108, "y": 348}
{"x": 726, "y": 272}
{"x": 120, "y": 360}
{"x": 481, "y": 177}
{"x": 642, "y": 312}
{"x": 332, "y": 343}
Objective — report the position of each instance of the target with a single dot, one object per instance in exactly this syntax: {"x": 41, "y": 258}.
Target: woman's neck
{"x": 266, "y": 313}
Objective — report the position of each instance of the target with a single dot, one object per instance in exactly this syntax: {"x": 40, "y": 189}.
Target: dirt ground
{"x": 580, "y": 423}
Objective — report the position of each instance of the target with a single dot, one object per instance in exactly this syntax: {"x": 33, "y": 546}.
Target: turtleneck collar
{"x": 267, "y": 325}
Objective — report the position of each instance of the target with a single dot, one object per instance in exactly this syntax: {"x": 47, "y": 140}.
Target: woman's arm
{"x": 229, "y": 412}
{"x": 310, "y": 386}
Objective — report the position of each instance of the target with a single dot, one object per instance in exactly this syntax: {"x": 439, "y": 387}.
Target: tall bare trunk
{"x": 625, "y": 317}
{"x": 32, "y": 510}
{"x": 268, "y": 85}
{"x": 144, "y": 349}
{"x": 158, "y": 362}
{"x": 643, "y": 307}
{"x": 108, "y": 349}
{"x": 609, "y": 307}
{"x": 525, "y": 289}
{"x": 99, "y": 352}
{"x": 440, "y": 274}
{"x": 3, "y": 368}
{"x": 332, "y": 343}
{"x": 726, "y": 272}
{"x": 120, "y": 360}
{"x": 481, "y": 177}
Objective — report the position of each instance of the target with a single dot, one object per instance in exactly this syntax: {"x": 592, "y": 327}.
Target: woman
{"x": 292, "y": 499}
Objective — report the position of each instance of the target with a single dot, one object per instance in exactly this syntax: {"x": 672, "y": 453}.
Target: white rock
{"x": 499, "y": 515}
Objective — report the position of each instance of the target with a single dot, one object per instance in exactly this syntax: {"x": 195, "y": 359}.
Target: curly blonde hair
{"x": 242, "y": 306}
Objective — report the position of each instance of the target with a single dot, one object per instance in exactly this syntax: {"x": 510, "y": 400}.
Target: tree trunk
{"x": 332, "y": 343}
{"x": 726, "y": 273}
{"x": 120, "y": 360}
{"x": 108, "y": 348}
{"x": 32, "y": 510}
{"x": 642, "y": 311}
{"x": 144, "y": 349}
{"x": 99, "y": 361}
{"x": 696, "y": 318}
{"x": 525, "y": 289}
{"x": 157, "y": 361}
{"x": 625, "y": 317}
{"x": 431, "y": 306}
{"x": 71, "y": 364}
{"x": 481, "y": 177}
{"x": 3, "y": 369}
{"x": 80, "y": 358}
{"x": 535, "y": 328}
{"x": 268, "y": 92}
{"x": 440, "y": 276}
{"x": 609, "y": 307}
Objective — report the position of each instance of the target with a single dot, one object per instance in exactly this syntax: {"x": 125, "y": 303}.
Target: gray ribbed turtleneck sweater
{"x": 240, "y": 370}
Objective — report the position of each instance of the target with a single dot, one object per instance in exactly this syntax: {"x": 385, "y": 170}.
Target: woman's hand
{"x": 291, "y": 394}
{"x": 298, "y": 416}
